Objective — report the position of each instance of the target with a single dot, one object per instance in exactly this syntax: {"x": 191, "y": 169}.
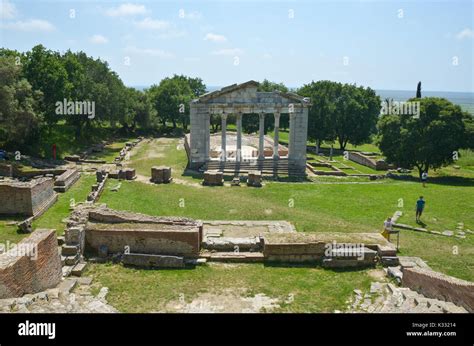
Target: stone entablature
{"x": 241, "y": 99}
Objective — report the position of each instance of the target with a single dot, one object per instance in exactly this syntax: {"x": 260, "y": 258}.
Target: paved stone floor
{"x": 73, "y": 295}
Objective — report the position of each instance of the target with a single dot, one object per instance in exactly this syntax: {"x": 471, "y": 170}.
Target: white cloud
{"x": 29, "y": 25}
{"x": 466, "y": 33}
{"x": 126, "y": 10}
{"x": 152, "y": 24}
{"x": 7, "y": 9}
{"x": 267, "y": 56}
{"x": 150, "y": 52}
{"x": 99, "y": 39}
{"x": 215, "y": 37}
{"x": 228, "y": 51}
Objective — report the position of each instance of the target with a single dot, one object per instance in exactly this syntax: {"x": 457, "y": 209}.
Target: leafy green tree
{"x": 427, "y": 141}
{"x": 44, "y": 70}
{"x": 172, "y": 96}
{"x": 19, "y": 119}
{"x": 323, "y": 95}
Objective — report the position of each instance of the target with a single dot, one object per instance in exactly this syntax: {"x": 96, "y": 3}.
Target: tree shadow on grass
{"x": 448, "y": 181}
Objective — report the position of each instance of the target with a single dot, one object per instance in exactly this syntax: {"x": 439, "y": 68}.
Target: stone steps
{"x": 267, "y": 167}
{"x": 390, "y": 298}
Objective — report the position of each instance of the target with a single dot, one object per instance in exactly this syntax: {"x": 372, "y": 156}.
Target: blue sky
{"x": 382, "y": 44}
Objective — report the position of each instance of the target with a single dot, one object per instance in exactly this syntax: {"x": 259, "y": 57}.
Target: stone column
{"x": 238, "y": 154}
{"x": 261, "y": 138}
{"x": 276, "y": 136}
{"x": 223, "y": 138}
{"x": 291, "y": 139}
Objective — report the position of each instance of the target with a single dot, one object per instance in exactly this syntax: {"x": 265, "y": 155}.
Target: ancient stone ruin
{"x": 33, "y": 265}
{"x": 213, "y": 178}
{"x": 161, "y": 175}
{"x": 368, "y": 160}
{"x": 239, "y": 100}
{"x": 96, "y": 231}
{"x": 64, "y": 181}
{"x": 29, "y": 198}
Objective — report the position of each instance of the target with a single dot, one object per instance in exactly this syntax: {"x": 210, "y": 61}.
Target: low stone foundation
{"x": 379, "y": 165}
{"x": 440, "y": 286}
{"x": 30, "y": 198}
{"x": 310, "y": 247}
{"x": 103, "y": 232}
{"x": 33, "y": 266}
{"x": 66, "y": 180}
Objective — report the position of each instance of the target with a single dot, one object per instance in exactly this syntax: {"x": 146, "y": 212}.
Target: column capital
{"x": 261, "y": 114}
{"x": 224, "y": 116}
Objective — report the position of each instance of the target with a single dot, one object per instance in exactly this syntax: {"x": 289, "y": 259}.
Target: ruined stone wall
{"x": 294, "y": 252}
{"x": 23, "y": 272}
{"x": 15, "y": 199}
{"x": 367, "y": 161}
{"x": 26, "y": 198}
{"x": 440, "y": 286}
{"x": 42, "y": 195}
{"x": 159, "y": 242}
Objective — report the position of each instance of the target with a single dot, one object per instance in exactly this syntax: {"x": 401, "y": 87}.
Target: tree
{"x": 418, "y": 91}
{"x": 45, "y": 72}
{"x": 429, "y": 141}
{"x": 19, "y": 120}
{"x": 172, "y": 96}
{"x": 323, "y": 95}
{"x": 341, "y": 111}
{"x": 356, "y": 115}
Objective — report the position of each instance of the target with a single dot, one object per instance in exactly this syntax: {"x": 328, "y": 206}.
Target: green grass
{"x": 331, "y": 205}
{"x": 53, "y": 217}
{"x": 110, "y": 152}
{"x": 312, "y": 289}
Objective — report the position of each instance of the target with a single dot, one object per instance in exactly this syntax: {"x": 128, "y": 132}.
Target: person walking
{"x": 424, "y": 178}
{"x": 420, "y": 205}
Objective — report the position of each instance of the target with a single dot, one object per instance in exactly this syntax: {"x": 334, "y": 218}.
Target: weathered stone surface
{"x": 151, "y": 261}
{"x": 25, "y": 226}
{"x": 213, "y": 178}
{"x": 79, "y": 269}
{"x": 440, "y": 286}
{"x": 30, "y": 198}
{"x": 33, "y": 266}
{"x": 254, "y": 179}
{"x": 161, "y": 174}
{"x": 66, "y": 180}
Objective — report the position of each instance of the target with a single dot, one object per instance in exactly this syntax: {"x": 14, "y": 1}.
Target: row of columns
{"x": 261, "y": 139}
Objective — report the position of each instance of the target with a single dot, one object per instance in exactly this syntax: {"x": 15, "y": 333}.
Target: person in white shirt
{"x": 387, "y": 228}
{"x": 424, "y": 178}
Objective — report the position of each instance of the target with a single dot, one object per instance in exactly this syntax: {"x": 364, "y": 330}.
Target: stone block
{"x": 213, "y": 178}
{"x": 254, "y": 178}
{"x": 79, "y": 269}
{"x": 161, "y": 174}
{"x": 152, "y": 261}
{"x": 69, "y": 250}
